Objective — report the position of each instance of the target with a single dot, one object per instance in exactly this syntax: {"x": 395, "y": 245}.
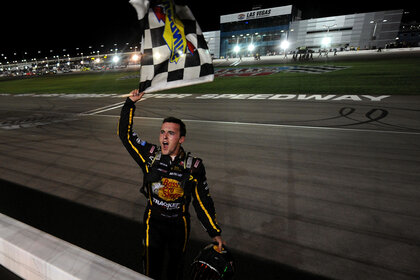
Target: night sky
{"x": 32, "y": 26}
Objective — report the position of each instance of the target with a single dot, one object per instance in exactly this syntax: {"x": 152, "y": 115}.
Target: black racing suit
{"x": 168, "y": 186}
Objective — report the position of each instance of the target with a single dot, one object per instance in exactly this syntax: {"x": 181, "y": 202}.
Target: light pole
{"x": 329, "y": 26}
{"x": 375, "y": 26}
{"x": 237, "y": 49}
{"x": 251, "y": 46}
{"x": 326, "y": 41}
{"x": 284, "y": 46}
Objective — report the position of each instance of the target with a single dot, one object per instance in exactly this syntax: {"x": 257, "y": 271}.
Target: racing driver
{"x": 171, "y": 178}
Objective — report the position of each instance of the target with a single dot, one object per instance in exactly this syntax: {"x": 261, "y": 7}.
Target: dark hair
{"x": 182, "y": 128}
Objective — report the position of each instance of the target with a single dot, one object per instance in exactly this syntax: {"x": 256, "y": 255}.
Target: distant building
{"x": 256, "y": 31}
{"x": 262, "y": 31}
{"x": 409, "y": 35}
{"x": 213, "y": 42}
{"x": 364, "y": 31}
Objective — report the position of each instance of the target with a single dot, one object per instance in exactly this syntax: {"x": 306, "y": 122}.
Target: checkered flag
{"x": 174, "y": 51}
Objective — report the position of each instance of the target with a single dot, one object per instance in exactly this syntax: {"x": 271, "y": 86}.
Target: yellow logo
{"x": 174, "y": 33}
{"x": 171, "y": 190}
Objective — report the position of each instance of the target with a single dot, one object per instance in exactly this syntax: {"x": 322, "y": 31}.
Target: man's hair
{"x": 182, "y": 128}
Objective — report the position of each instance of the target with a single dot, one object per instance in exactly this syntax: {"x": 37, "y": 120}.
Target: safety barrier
{"x": 33, "y": 254}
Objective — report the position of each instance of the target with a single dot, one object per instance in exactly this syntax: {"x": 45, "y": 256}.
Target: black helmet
{"x": 210, "y": 264}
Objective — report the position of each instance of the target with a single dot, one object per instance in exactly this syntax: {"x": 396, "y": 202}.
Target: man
{"x": 171, "y": 178}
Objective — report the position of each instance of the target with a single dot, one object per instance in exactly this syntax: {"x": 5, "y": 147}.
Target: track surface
{"x": 330, "y": 187}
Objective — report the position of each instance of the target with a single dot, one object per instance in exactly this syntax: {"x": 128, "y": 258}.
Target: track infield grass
{"x": 375, "y": 77}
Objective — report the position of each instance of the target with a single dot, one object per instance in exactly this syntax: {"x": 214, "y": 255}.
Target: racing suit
{"x": 168, "y": 186}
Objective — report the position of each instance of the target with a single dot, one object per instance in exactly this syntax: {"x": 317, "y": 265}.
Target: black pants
{"x": 165, "y": 237}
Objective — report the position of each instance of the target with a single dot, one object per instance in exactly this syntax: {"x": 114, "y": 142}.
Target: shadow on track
{"x": 110, "y": 236}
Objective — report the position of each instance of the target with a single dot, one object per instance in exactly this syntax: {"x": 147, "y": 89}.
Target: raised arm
{"x": 139, "y": 149}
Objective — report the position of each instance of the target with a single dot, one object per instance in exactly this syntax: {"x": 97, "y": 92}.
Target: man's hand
{"x": 135, "y": 95}
{"x": 220, "y": 242}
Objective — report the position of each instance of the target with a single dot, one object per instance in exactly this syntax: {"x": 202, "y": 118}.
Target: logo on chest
{"x": 168, "y": 189}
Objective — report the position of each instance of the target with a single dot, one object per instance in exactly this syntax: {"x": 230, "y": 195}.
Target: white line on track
{"x": 104, "y": 109}
{"x": 272, "y": 125}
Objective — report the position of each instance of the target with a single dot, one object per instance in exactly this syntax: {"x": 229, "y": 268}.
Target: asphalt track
{"x": 330, "y": 187}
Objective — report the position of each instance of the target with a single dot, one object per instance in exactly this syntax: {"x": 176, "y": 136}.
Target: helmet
{"x": 210, "y": 264}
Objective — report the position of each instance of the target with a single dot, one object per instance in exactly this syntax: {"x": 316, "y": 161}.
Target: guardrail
{"x": 33, "y": 254}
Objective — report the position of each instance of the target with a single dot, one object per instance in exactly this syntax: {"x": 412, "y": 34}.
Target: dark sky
{"x": 29, "y": 26}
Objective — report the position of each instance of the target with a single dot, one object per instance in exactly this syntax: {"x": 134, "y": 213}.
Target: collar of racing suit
{"x": 182, "y": 156}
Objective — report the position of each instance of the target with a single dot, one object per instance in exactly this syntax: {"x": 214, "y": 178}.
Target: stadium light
{"x": 251, "y": 47}
{"x": 284, "y": 45}
{"x": 115, "y": 59}
{"x": 326, "y": 41}
{"x": 135, "y": 57}
{"x": 156, "y": 55}
{"x": 181, "y": 53}
{"x": 236, "y": 49}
